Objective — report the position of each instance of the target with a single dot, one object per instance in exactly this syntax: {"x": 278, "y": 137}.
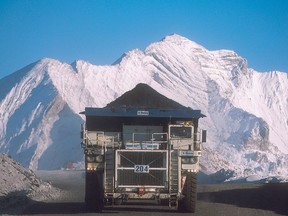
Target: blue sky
{"x": 100, "y": 31}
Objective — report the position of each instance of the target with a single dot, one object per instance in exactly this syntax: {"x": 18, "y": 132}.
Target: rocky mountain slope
{"x": 19, "y": 184}
{"x": 247, "y": 111}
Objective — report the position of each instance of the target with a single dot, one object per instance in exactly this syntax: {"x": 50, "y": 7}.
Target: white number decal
{"x": 141, "y": 169}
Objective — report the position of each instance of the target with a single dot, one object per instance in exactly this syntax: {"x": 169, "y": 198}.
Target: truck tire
{"x": 94, "y": 192}
{"x": 188, "y": 203}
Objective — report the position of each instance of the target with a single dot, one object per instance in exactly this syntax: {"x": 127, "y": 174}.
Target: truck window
{"x": 181, "y": 132}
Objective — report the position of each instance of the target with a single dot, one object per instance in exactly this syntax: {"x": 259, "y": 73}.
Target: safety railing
{"x": 100, "y": 139}
{"x": 146, "y": 141}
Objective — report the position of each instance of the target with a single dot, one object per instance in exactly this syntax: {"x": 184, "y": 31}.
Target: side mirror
{"x": 203, "y": 135}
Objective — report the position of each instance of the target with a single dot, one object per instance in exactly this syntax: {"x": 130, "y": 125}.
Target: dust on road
{"x": 213, "y": 199}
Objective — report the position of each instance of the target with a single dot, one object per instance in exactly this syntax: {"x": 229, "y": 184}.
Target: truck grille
{"x": 156, "y": 160}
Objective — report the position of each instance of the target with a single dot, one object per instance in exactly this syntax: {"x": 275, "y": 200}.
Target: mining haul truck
{"x": 134, "y": 153}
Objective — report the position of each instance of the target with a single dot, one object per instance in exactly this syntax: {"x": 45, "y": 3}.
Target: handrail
{"x": 99, "y": 139}
{"x": 151, "y": 139}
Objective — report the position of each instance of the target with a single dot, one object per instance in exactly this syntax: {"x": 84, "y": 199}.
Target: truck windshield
{"x": 181, "y": 132}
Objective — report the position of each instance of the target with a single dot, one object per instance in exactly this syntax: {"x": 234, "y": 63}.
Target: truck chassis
{"x": 139, "y": 159}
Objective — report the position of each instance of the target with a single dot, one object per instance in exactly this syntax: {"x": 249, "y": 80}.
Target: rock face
{"x": 19, "y": 184}
{"x": 247, "y": 111}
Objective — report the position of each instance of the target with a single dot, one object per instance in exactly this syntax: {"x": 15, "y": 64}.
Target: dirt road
{"x": 214, "y": 199}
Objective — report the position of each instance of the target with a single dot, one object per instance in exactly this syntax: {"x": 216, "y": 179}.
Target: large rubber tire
{"x": 188, "y": 203}
{"x": 94, "y": 192}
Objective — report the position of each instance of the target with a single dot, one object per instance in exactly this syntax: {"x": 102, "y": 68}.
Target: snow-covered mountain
{"x": 247, "y": 111}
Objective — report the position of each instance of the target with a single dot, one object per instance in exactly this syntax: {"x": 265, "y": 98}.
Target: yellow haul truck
{"x": 136, "y": 153}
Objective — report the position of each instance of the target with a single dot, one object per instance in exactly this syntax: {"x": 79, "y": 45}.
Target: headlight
{"x": 90, "y": 158}
{"x": 95, "y": 158}
{"x": 99, "y": 158}
{"x": 189, "y": 160}
{"x": 185, "y": 160}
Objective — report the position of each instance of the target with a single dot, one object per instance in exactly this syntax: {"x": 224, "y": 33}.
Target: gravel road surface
{"x": 213, "y": 199}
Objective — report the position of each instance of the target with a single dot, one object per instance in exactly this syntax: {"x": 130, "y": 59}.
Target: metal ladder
{"x": 174, "y": 172}
{"x": 109, "y": 171}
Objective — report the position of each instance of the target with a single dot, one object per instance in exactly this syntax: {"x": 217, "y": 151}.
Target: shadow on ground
{"x": 269, "y": 197}
{"x": 43, "y": 208}
{"x": 55, "y": 208}
{"x": 14, "y": 202}
{"x": 272, "y": 197}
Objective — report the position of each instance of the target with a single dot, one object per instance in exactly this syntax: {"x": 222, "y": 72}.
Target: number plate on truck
{"x": 141, "y": 168}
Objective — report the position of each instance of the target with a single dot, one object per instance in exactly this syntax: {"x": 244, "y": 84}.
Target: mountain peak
{"x": 132, "y": 54}
{"x": 47, "y": 60}
{"x": 180, "y": 40}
